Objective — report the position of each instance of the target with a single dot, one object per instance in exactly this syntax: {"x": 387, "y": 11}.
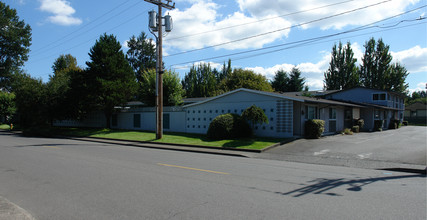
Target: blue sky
{"x": 264, "y": 36}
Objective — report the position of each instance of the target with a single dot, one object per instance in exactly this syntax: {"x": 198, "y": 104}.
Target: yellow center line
{"x": 190, "y": 168}
{"x": 52, "y": 147}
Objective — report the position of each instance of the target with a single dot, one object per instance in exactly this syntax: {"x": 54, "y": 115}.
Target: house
{"x": 416, "y": 113}
{"x": 378, "y": 105}
{"x": 287, "y": 112}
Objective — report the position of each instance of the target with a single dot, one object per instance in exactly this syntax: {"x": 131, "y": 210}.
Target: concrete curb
{"x": 9, "y": 210}
{"x": 162, "y": 146}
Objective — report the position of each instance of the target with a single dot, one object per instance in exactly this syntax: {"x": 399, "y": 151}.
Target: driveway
{"x": 401, "y": 148}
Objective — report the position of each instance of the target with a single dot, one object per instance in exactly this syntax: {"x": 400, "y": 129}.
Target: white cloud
{"x": 62, "y": 11}
{"x": 414, "y": 59}
{"x": 420, "y": 87}
{"x": 312, "y": 72}
{"x": 203, "y": 17}
{"x": 259, "y": 8}
{"x": 125, "y": 44}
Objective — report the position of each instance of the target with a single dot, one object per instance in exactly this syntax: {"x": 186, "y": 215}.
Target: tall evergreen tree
{"x": 64, "y": 62}
{"x": 110, "y": 78}
{"x": 280, "y": 81}
{"x": 342, "y": 72}
{"x": 141, "y": 54}
{"x": 296, "y": 82}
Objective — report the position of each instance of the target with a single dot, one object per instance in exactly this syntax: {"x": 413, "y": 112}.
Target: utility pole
{"x": 155, "y": 24}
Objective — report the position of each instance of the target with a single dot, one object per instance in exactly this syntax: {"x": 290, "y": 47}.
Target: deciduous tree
{"x": 172, "y": 89}
{"x": 342, "y": 72}
{"x": 15, "y": 41}
{"x": 241, "y": 78}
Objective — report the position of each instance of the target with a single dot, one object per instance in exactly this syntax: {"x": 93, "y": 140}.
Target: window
{"x": 378, "y": 96}
{"x": 311, "y": 112}
{"x": 332, "y": 113}
{"x": 136, "y": 120}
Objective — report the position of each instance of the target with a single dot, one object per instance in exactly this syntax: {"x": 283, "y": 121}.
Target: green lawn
{"x": 4, "y": 126}
{"x": 175, "y": 138}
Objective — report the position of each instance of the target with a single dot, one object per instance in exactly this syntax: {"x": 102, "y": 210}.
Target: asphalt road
{"x": 68, "y": 179}
{"x": 402, "y": 148}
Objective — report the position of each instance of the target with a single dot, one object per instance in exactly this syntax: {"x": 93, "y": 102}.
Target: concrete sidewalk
{"x": 10, "y": 211}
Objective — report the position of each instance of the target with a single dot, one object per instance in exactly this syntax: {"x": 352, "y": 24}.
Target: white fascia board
{"x": 245, "y": 90}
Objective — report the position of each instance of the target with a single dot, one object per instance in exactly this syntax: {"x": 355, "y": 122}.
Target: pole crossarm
{"x": 162, "y": 4}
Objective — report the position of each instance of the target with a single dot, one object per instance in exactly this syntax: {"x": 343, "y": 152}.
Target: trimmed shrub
{"x": 314, "y": 128}
{"x": 347, "y": 131}
{"x": 355, "y": 129}
{"x": 394, "y": 124}
{"x": 255, "y": 115}
{"x": 378, "y": 125}
{"x": 228, "y": 126}
{"x": 359, "y": 122}
{"x": 405, "y": 123}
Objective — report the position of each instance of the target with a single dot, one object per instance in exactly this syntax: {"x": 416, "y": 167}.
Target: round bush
{"x": 228, "y": 126}
{"x": 314, "y": 128}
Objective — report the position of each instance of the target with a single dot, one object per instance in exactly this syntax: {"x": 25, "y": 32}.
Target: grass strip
{"x": 173, "y": 138}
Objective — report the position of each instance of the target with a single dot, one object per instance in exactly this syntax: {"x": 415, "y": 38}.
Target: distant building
{"x": 416, "y": 113}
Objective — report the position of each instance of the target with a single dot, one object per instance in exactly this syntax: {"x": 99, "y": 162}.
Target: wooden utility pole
{"x": 159, "y": 86}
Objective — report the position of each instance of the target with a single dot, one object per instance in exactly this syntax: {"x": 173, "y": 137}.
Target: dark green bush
{"x": 405, "y": 123}
{"x": 378, "y": 125}
{"x": 394, "y": 124}
{"x": 314, "y": 128}
{"x": 228, "y": 126}
{"x": 359, "y": 122}
{"x": 255, "y": 115}
{"x": 355, "y": 129}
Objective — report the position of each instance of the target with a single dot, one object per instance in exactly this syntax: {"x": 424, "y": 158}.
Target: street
{"x": 69, "y": 179}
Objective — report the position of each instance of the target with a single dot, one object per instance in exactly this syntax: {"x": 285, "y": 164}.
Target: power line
{"x": 58, "y": 42}
{"x": 260, "y": 20}
{"x": 92, "y": 38}
{"x": 308, "y": 41}
{"x": 278, "y": 30}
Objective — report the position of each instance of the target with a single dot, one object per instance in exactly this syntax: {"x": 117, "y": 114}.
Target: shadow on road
{"x": 324, "y": 186}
